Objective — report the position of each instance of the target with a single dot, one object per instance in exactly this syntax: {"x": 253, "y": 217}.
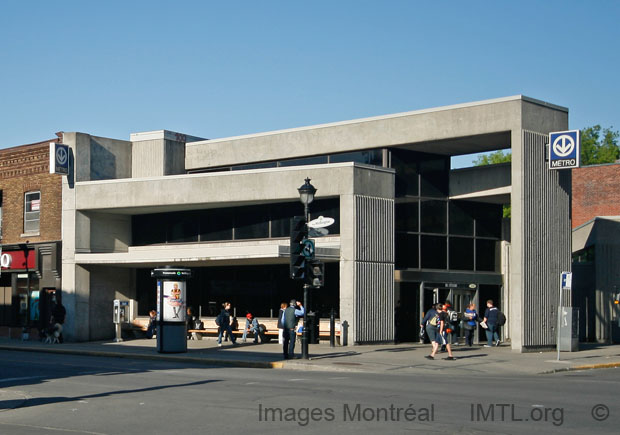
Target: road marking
{"x": 21, "y": 379}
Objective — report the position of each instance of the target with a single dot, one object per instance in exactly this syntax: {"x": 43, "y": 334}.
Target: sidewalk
{"x": 405, "y": 358}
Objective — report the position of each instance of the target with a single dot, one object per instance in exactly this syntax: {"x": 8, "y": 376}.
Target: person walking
{"x": 290, "y": 317}
{"x": 431, "y": 329}
{"x": 490, "y": 318}
{"x": 442, "y": 336}
{"x": 224, "y": 324}
{"x": 470, "y": 324}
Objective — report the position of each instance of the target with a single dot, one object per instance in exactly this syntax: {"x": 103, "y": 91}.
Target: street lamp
{"x": 306, "y": 196}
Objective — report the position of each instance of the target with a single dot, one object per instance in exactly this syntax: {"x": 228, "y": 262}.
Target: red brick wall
{"x": 596, "y": 192}
{"x": 24, "y": 169}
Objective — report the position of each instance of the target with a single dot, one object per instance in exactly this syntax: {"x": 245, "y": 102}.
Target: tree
{"x": 599, "y": 145}
{"x": 493, "y": 158}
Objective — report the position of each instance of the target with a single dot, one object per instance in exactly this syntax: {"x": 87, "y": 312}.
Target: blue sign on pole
{"x": 564, "y": 149}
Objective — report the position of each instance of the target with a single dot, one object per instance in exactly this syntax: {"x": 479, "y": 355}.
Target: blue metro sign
{"x": 564, "y": 149}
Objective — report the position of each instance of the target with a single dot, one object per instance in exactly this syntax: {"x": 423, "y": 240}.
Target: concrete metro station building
{"x": 409, "y": 230}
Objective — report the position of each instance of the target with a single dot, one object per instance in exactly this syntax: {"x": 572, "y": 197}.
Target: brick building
{"x": 30, "y": 231}
{"x": 596, "y": 192}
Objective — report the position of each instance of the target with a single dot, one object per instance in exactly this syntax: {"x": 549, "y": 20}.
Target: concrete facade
{"x": 97, "y": 210}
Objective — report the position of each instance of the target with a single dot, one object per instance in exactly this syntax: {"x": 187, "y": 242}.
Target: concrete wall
{"x": 468, "y": 180}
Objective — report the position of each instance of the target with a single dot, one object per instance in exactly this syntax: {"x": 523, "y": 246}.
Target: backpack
{"x": 501, "y": 318}
{"x": 434, "y": 321}
{"x": 218, "y": 320}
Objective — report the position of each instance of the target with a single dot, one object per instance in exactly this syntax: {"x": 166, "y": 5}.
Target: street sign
{"x": 567, "y": 280}
{"x": 59, "y": 158}
{"x": 308, "y": 249}
{"x": 321, "y": 222}
{"x": 564, "y": 149}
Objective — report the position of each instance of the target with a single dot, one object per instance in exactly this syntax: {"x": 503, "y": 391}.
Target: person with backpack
{"x": 452, "y": 326}
{"x": 491, "y": 318}
{"x": 442, "y": 338}
{"x": 431, "y": 328}
{"x": 223, "y": 321}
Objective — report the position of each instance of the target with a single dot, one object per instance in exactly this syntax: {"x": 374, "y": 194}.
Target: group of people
{"x": 441, "y": 323}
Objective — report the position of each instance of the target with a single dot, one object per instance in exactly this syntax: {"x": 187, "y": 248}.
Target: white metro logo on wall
{"x": 564, "y": 149}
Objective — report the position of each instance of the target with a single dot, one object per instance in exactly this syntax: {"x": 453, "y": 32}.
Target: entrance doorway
{"x": 458, "y": 294}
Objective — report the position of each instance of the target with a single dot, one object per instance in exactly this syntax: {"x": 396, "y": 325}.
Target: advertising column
{"x": 171, "y": 309}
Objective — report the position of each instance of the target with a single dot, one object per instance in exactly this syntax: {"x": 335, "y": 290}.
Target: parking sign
{"x": 564, "y": 149}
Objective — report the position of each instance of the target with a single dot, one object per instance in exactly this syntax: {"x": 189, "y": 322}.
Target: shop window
{"x": 433, "y": 251}
{"x": 433, "y": 218}
{"x": 32, "y": 212}
{"x": 461, "y": 253}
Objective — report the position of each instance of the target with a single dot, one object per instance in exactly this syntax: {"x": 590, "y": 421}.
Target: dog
{"x": 52, "y": 334}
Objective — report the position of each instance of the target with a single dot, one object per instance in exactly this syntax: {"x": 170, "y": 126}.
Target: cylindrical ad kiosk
{"x": 171, "y": 309}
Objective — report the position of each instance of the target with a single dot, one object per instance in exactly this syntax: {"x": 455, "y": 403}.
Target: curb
{"x": 159, "y": 357}
{"x": 583, "y": 367}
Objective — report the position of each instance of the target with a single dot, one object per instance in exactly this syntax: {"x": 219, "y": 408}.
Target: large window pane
{"x": 281, "y": 215}
{"x": 407, "y": 216}
{"x": 328, "y": 208}
{"x": 317, "y": 160}
{"x": 433, "y": 216}
{"x": 487, "y": 255}
{"x": 488, "y": 220}
{"x": 251, "y": 223}
{"x": 461, "y": 253}
{"x": 433, "y": 252}
{"x": 461, "y": 219}
{"x": 406, "y": 251}
{"x": 183, "y": 227}
{"x": 149, "y": 229}
{"x": 434, "y": 177}
{"x": 406, "y": 167}
{"x": 216, "y": 225}
{"x": 32, "y": 212}
{"x": 370, "y": 157}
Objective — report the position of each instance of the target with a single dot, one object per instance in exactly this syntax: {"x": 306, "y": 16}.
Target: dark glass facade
{"x": 232, "y": 223}
{"x": 433, "y": 232}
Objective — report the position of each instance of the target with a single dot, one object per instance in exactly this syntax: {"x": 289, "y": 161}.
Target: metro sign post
{"x": 564, "y": 149}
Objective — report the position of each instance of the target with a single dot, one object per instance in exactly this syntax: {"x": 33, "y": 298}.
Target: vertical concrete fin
{"x": 546, "y": 240}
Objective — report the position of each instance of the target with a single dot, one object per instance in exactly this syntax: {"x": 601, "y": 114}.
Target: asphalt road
{"x": 62, "y": 394}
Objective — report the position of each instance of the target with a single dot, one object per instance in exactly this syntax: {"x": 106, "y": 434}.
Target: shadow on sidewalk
{"x": 335, "y": 355}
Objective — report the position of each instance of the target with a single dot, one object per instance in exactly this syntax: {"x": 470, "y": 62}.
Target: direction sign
{"x": 321, "y": 222}
{"x": 308, "y": 249}
{"x": 564, "y": 149}
{"x": 566, "y": 279}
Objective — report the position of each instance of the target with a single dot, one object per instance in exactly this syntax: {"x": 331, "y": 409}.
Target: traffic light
{"x": 299, "y": 232}
{"x": 315, "y": 274}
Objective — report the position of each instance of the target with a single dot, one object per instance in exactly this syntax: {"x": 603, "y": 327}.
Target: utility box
{"x": 569, "y": 329}
{"x": 171, "y": 309}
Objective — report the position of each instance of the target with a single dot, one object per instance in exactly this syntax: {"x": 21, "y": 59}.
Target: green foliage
{"x": 493, "y": 158}
{"x": 599, "y": 145}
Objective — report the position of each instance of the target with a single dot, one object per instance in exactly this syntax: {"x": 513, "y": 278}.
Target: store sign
{"x": 16, "y": 260}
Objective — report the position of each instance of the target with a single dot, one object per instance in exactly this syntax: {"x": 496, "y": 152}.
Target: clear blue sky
{"x": 216, "y": 69}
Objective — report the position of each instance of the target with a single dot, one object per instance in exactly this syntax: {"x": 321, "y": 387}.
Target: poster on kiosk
{"x": 174, "y": 301}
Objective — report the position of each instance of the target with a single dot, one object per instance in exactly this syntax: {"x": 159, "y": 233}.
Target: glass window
{"x": 405, "y": 164}
{"x": 461, "y": 219}
{"x": 183, "y": 227}
{"x": 406, "y": 250}
{"x": 281, "y": 215}
{"x": 433, "y": 252}
{"x": 488, "y": 220}
{"x": 407, "y": 216}
{"x": 434, "y": 177}
{"x": 215, "y": 225}
{"x": 32, "y": 212}
{"x": 461, "y": 253}
{"x": 370, "y": 157}
{"x": 433, "y": 216}
{"x": 251, "y": 223}
{"x": 328, "y": 208}
{"x": 149, "y": 229}
{"x": 262, "y": 165}
{"x": 316, "y": 160}
{"x": 487, "y": 255}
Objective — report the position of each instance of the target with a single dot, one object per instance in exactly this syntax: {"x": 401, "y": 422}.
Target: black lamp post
{"x": 306, "y": 196}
